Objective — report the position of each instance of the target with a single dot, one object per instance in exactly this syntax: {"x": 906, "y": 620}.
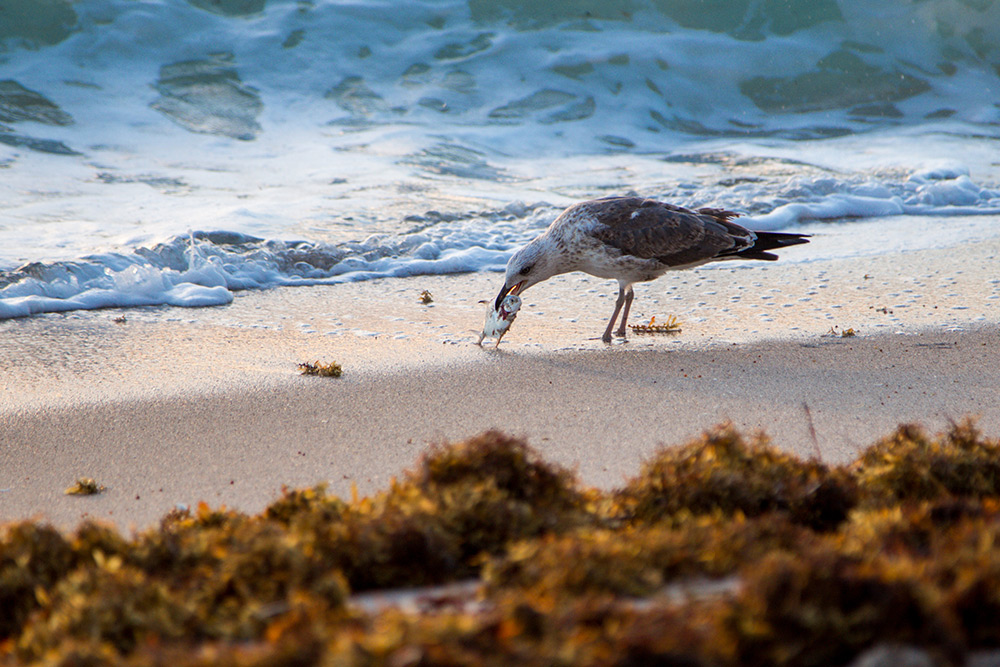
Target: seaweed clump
{"x": 459, "y": 503}
{"x": 723, "y": 473}
{"x": 85, "y": 486}
{"x": 493, "y": 489}
{"x": 211, "y": 575}
{"x": 671, "y": 326}
{"x": 725, "y": 551}
{"x": 330, "y": 370}
{"x": 32, "y": 556}
{"x": 912, "y": 465}
{"x": 819, "y": 607}
{"x": 642, "y": 560}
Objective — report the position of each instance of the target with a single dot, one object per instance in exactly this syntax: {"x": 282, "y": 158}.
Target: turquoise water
{"x": 171, "y": 152}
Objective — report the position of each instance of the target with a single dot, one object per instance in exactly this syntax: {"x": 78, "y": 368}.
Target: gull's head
{"x": 531, "y": 264}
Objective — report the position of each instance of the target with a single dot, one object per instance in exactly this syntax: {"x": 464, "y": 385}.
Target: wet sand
{"x": 179, "y": 406}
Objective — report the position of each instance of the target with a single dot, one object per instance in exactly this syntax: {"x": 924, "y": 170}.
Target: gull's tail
{"x": 770, "y": 241}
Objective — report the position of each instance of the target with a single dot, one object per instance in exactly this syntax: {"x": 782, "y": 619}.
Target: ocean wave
{"x": 124, "y": 123}
{"x": 205, "y": 268}
{"x": 938, "y": 191}
{"x": 794, "y": 69}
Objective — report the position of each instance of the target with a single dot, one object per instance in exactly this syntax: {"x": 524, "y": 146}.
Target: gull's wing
{"x": 673, "y": 235}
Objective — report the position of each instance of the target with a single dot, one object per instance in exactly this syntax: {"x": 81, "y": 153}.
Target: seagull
{"x": 634, "y": 239}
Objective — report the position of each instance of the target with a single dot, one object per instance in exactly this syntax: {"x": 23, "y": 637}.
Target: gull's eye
{"x": 526, "y": 270}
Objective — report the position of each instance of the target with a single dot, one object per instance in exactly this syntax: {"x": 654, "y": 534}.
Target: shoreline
{"x": 179, "y": 406}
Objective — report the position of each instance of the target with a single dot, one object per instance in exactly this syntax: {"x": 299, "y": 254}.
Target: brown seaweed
{"x": 724, "y": 473}
{"x": 671, "y": 326}
{"x": 85, "y": 486}
{"x": 724, "y": 551}
{"x": 330, "y": 370}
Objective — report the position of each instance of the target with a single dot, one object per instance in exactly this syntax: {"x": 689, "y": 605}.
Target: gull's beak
{"x": 505, "y": 291}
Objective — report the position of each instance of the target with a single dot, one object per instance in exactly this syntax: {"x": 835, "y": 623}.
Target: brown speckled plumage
{"x": 672, "y": 235}
{"x": 632, "y": 239}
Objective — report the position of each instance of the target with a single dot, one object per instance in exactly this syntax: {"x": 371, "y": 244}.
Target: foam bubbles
{"x": 290, "y": 132}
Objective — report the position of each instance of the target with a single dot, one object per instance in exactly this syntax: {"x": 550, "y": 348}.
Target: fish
{"x": 498, "y": 320}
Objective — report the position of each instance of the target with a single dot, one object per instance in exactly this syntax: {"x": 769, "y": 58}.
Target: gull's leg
{"x": 614, "y": 316}
{"x": 629, "y": 295}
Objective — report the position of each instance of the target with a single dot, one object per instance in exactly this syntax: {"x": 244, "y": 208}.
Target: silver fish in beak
{"x": 498, "y": 320}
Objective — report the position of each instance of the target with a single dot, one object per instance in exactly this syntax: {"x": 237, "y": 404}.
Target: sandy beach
{"x": 178, "y": 406}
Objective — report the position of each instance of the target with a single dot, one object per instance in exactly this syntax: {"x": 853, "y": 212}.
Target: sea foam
{"x": 291, "y": 132}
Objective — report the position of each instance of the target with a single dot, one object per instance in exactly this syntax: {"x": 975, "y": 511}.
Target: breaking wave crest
{"x": 205, "y": 268}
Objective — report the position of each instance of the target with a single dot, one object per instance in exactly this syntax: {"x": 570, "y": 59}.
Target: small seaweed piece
{"x": 672, "y": 326}
{"x": 330, "y": 370}
{"x": 843, "y": 333}
{"x": 85, "y": 486}
{"x": 426, "y": 298}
